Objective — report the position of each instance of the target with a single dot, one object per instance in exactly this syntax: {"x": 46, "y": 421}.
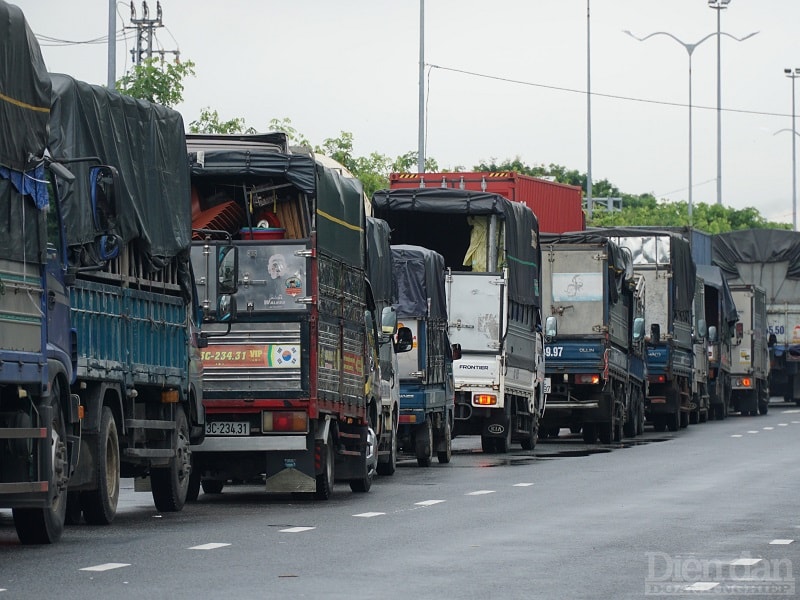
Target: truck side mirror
{"x": 702, "y": 328}
{"x": 405, "y": 340}
{"x": 389, "y": 320}
{"x": 712, "y": 335}
{"x": 550, "y": 328}
{"x": 638, "y": 329}
{"x": 227, "y": 270}
{"x": 226, "y": 308}
{"x": 456, "y": 349}
{"x": 103, "y": 183}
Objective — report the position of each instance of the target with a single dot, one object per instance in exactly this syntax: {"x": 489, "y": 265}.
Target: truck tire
{"x": 529, "y": 443}
{"x": 674, "y": 420}
{"x": 74, "y": 510}
{"x": 212, "y": 486}
{"x": 171, "y": 485}
{"x": 325, "y": 479}
{"x": 46, "y": 525}
{"x": 390, "y": 466}
{"x": 423, "y": 443}
{"x": 684, "y": 419}
{"x": 487, "y": 444}
{"x": 363, "y": 484}
{"x": 640, "y": 415}
{"x": 589, "y": 433}
{"x": 446, "y": 440}
{"x": 193, "y": 491}
{"x": 100, "y": 505}
{"x": 660, "y": 423}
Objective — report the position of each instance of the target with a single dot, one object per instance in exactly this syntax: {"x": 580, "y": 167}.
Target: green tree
{"x": 209, "y": 122}
{"x": 156, "y": 81}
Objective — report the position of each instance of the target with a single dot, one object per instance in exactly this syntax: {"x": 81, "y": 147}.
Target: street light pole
{"x": 421, "y": 124}
{"x": 793, "y": 74}
{"x": 689, "y": 50}
{"x": 719, "y": 6}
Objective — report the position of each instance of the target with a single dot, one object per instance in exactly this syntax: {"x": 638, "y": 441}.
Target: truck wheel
{"x": 212, "y": 486}
{"x": 640, "y": 416}
{"x": 74, "y": 509}
{"x": 364, "y": 483}
{"x": 423, "y": 443}
{"x": 193, "y": 492}
{"x": 390, "y": 466}
{"x": 487, "y": 444}
{"x": 171, "y": 485}
{"x": 529, "y": 443}
{"x": 674, "y": 420}
{"x": 589, "y": 433}
{"x": 660, "y": 423}
{"x": 445, "y": 441}
{"x": 45, "y": 525}
{"x": 325, "y": 479}
{"x": 100, "y": 505}
{"x": 763, "y": 407}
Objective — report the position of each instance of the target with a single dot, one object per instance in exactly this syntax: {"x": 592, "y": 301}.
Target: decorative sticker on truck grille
{"x": 276, "y": 356}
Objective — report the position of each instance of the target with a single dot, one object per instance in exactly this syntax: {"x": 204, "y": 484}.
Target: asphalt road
{"x": 710, "y": 510}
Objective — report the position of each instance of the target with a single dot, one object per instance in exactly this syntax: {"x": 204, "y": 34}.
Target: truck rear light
{"x": 745, "y": 382}
{"x": 587, "y": 378}
{"x": 169, "y": 397}
{"x": 657, "y": 378}
{"x": 484, "y": 399}
{"x": 285, "y": 421}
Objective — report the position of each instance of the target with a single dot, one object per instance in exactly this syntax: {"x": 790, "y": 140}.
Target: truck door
{"x": 57, "y": 303}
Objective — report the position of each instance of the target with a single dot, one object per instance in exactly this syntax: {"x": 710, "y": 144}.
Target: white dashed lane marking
{"x": 105, "y": 567}
{"x": 210, "y": 546}
{"x": 768, "y": 428}
{"x": 781, "y": 542}
{"x": 737, "y": 435}
{"x": 783, "y": 424}
{"x": 522, "y": 485}
{"x": 296, "y": 529}
{"x": 428, "y": 502}
{"x": 479, "y": 493}
{"x": 368, "y": 515}
{"x": 752, "y": 431}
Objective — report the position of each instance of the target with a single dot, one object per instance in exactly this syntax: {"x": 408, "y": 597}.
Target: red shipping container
{"x": 557, "y": 206}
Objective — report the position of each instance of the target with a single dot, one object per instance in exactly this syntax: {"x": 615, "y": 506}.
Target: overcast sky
{"x": 508, "y": 78}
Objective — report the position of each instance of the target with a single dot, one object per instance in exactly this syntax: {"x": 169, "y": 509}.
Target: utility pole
{"x": 145, "y": 32}
{"x": 112, "y": 46}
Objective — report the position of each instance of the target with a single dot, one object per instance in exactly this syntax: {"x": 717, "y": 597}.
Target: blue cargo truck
{"x": 98, "y": 371}
{"x": 594, "y": 330}
{"x": 426, "y": 371}
{"x": 665, "y": 261}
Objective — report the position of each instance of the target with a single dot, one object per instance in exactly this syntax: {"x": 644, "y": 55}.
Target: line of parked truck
{"x": 198, "y": 310}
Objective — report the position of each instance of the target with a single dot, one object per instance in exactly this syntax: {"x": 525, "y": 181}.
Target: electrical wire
{"x": 612, "y": 96}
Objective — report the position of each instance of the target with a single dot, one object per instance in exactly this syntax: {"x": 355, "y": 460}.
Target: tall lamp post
{"x": 689, "y": 50}
{"x": 793, "y": 74}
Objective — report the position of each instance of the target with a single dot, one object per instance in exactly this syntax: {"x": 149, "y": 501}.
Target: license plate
{"x": 228, "y": 428}
{"x": 547, "y": 385}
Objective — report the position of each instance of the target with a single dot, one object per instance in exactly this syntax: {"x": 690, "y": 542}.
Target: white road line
{"x": 209, "y": 546}
{"x": 428, "y": 502}
{"x": 751, "y": 431}
{"x": 737, "y": 435}
{"x": 296, "y": 529}
{"x": 368, "y": 515}
{"x": 701, "y": 586}
{"x": 522, "y": 485}
{"x": 105, "y": 567}
{"x": 479, "y": 493}
{"x": 768, "y": 428}
{"x": 795, "y": 422}
{"x": 745, "y": 562}
{"x": 781, "y": 542}
{"x": 790, "y": 412}
{"x": 783, "y": 424}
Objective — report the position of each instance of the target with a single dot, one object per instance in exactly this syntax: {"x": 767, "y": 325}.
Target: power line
{"x": 612, "y": 96}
